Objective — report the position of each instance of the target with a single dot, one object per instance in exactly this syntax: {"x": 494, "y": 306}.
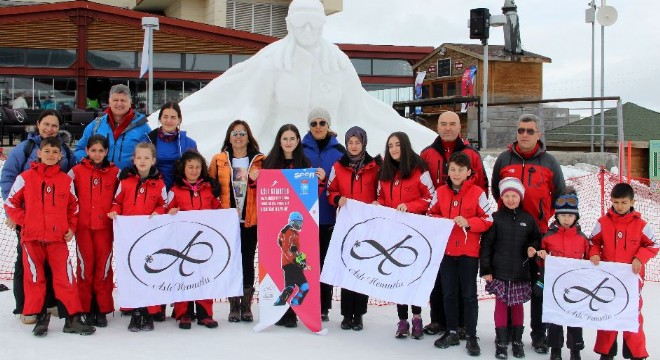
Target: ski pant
{"x": 95, "y": 280}
{"x": 19, "y": 292}
{"x": 325, "y": 233}
{"x": 36, "y": 254}
{"x": 437, "y": 304}
{"x": 402, "y": 311}
{"x": 204, "y": 308}
{"x": 574, "y": 340}
{"x": 536, "y": 307}
{"x": 634, "y": 343}
{"x": 459, "y": 281}
{"x": 353, "y": 303}
{"x": 248, "y": 249}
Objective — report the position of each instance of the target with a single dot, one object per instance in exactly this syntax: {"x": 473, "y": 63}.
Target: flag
{"x": 146, "y": 51}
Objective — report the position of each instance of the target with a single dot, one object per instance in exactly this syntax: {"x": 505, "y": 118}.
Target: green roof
{"x": 639, "y": 124}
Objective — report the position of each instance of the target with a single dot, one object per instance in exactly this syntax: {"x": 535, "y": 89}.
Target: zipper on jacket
{"x": 529, "y": 178}
{"x": 438, "y": 173}
{"x": 121, "y": 148}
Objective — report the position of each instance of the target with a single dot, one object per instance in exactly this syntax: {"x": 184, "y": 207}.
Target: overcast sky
{"x": 553, "y": 28}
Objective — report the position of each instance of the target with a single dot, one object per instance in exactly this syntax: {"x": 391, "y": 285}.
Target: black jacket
{"x": 503, "y": 252}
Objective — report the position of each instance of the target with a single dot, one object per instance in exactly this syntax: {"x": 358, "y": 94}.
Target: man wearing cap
{"x": 541, "y": 175}
{"x": 436, "y": 157}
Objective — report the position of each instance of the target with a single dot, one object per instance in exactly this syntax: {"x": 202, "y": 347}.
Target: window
{"x": 438, "y": 90}
{"x": 56, "y": 58}
{"x": 207, "y": 62}
{"x": 12, "y": 57}
{"x": 235, "y": 59}
{"x": 104, "y": 59}
{"x": 362, "y": 66}
{"x": 444, "y": 67}
{"x": 451, "y": 88}
{"x": 391, "y": 67}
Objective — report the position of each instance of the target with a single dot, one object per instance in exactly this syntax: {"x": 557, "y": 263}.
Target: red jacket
{"x": 620, "y": 238}
{"x": 416, "y": 191}
{"x": 289, "y": 241}
{"x": 136, "y": 197}
{"x": 540, "y": 175}
{"x": 95, "y": 187}
{"x": 471, "y": 203}
{"x": 437, "y": 160}
{"x": 42, "y": 201}
{"x": 565, "y": 242}
{"x": 184, "y": 198}
{"x": 361, "y": 186}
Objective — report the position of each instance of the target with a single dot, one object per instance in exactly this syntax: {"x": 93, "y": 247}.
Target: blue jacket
{"x": 169, "y": 152}
{"x": 16, "y": 162}
{"x": 324, "y": 158}
{"x": 121, "y": 151}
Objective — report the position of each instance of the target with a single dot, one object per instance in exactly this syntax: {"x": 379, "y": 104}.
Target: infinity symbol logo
{"x": 179, "y": 255}
{"x": 388, "y": 254}
{"x": 592, "y": 294}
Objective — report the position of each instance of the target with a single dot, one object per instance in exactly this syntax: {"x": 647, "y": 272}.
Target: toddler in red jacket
{"x": 95, "y": 181}
{"x": 141, "y": 192}
{"x": 622, "y": 236}
{"x": 193, "y": 189}
{"x": 464, "y": 202}
{"x": 43, "y": 203}
{"x": 564, "y": 239}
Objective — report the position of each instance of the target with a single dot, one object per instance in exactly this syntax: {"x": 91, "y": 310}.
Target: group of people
{"x": 121, "y": 167}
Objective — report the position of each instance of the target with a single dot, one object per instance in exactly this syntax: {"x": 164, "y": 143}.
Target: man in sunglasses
{"x": 541, "y": 175}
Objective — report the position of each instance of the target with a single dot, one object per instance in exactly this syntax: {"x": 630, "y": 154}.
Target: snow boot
{"x": 41, "y": 327}
{"x": 517, "y": 346}
{"x": 234, "y": 309}
{"x": 501, "y": 342}
{"x": 246, "y": 304}
{"x": 74, "y": 325}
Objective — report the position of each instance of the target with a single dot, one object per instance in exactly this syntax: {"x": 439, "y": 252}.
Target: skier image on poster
{"x": 294, "y": 261}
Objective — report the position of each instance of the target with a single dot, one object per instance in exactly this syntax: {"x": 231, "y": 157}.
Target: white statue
{"x": 283, "y": 82}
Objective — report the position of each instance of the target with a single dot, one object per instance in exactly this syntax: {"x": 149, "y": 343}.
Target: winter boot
{"x": 41, "y": 327}
{"x": 284, "y": 296}
{"x": 74, "y": 325}
{"x": 472, "y": 346}
{"x": 403, "y": 329}
{"x": 29, "y": 319}
{"x": 433, "y": 329}
{"x": 135, "y": 324}
{"x": 501, "y": 342}
{"x": 540, "y": 345}
{"x": 291, "y": 319}
{"x": 246, "y": 304}
{"x": 234, "y": 309}
{"x": 208, "y": 322}
{"x": 417, "y": 329}
{"x": 357, "y": 323}
{"x": 517, "y": 346}
{"x": 147, "y": 320}
{"x": 450, "y": 338}
{"x": 575, "y": 354}
{"x": 101, "y": 320}
{"x": 555, "y": 353}
{"x": 185, "y": 322}
{"x": 462, "y": 334}
{"x": 347, "y": 323}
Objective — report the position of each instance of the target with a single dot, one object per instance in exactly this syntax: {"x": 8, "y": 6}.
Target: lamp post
{"x": 149, "y": 24}
{"x": 606, "y": 16}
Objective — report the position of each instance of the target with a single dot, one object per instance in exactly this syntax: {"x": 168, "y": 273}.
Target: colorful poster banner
{"x": 193, "y": 255}
{"x": 384, "y": 253}
{"x": 288, "y": 233}
{"x": 580, "y": 294}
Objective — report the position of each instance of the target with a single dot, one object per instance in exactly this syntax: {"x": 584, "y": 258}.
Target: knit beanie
{"x": 319, "y": 113}
{"x": 512, "y": 184}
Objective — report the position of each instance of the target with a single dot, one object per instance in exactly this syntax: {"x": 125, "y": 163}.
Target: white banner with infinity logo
{"x": 579, "y": 294}
{"x": 384, "y": 253}
{"x": 193, "y": 255}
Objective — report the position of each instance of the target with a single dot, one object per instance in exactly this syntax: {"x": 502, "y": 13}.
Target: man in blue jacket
{"x": 123, "y": 128}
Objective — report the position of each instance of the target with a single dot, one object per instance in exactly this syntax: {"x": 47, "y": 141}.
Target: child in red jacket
{"x": 42, "y": 201}
{"x": 193, "y": 189}
{"x": 564, "y": 239}
{"x": 404, "y": 184}
{"x": 622, "y": 236}
{"x": 466, "y": 204}
{"x": 141, "y": 192}
{"x": 95, "y": 181}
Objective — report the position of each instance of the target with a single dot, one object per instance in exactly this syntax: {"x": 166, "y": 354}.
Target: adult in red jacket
{"x": 541, "y": 175}
{"x": 404, "y": 184}
{"x": 95, "y": 181}
{"x": 354, "y": 176}
{"x": 43, "y": 203}
{"x": 436, "y": 156}
{"x": 623, "y": 236}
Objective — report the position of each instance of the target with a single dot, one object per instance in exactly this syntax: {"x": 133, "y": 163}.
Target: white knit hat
{"x": 319, "y": 113}
{"x": 512, "y": 184}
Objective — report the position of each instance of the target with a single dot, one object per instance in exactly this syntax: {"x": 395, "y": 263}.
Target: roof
{"x": 639, "y": 124}
{"x": 495, "y": 53}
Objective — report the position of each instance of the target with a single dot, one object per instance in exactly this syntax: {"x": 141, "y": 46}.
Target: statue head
{"x": 305, "y": 21}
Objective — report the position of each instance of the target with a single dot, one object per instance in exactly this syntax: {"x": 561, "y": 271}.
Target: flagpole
{"x": 149, "y": 24}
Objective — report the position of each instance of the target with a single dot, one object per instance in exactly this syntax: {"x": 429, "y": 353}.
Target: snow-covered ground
{"x": 238, "y": 341}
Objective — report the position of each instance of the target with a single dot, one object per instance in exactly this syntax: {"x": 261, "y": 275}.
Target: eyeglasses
{"x": 571, "y": 200}
{"x": 315, "y": 123}
{"x": 238, "y": 133}
{"x": 529, "y": 131}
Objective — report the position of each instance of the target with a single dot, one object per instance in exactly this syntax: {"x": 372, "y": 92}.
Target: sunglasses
{"x": 238, "y": 133}
{"x": 529, "y": 131}
{"x": 322, "y": 123}
{"x": 571, "y": 200}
